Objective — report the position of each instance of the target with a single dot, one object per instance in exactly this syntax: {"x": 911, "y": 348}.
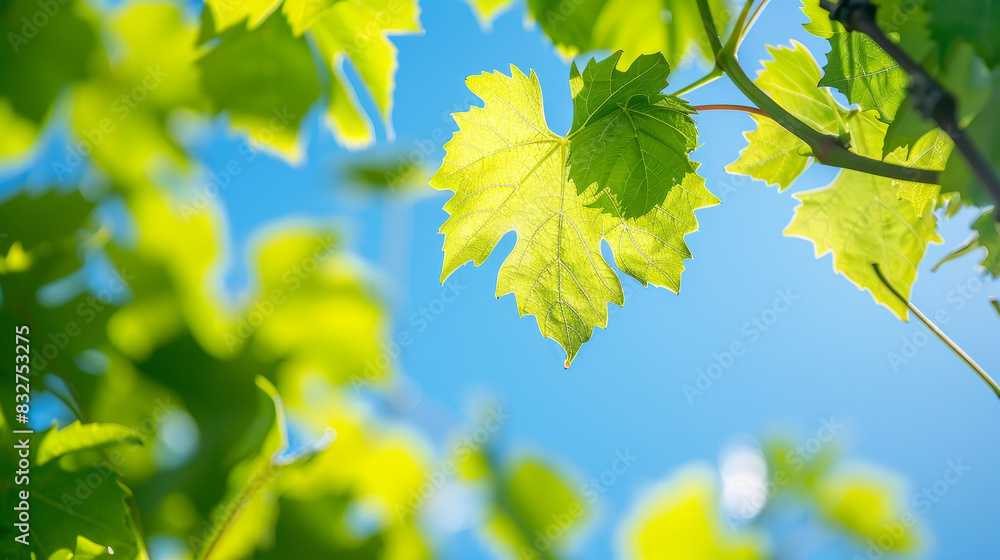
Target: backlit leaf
{"x": 773, "y": 154}
{"x": 858, "y": 67}
{"x": 627, "y": 137}
{"x": 509, "y": 173}
{"x": 680, "y": 519}
{"x": 861, "y": 220}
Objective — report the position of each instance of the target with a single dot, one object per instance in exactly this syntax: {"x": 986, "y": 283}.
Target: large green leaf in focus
{"x": 773, "y": 154}
{"x": 627, "y": 137}
{"x": 861, "y": 220}
{"x": 858, "y": 67}
{"x": 69, "y": 499}
{"x": 509, "y": 173}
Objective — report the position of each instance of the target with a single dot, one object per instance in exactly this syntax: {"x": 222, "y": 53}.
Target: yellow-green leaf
{"x": 869, "y": 505}
{"x": 680, "y": 519}
{"x": 84, "y": 437}
{"x": 509, "y": 173}
{"x": 773, "y": 154}
{"x": 861, "y": 220}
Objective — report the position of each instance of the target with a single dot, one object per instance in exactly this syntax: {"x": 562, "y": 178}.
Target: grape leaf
{"x": 627, "y": 137}
{"x": 509, "y": 172}
{"x": 637, "y": 27}
{"x": 858, "y": 67}
{"x": 71, "y": 499}
{"x": 976, "y": 21}
{"x": 931, "y": 151}
{"x": 861, "y": 220}
{"x": 774, "y": 155}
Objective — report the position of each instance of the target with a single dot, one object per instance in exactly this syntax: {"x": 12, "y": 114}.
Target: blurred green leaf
{"x": 967, "y": 20}
{"x": 868, "y": 504}
{"x": 636, "y": 27}
{"x": 59, "y": 37}
{"x": 68, "y": 502}
{"x": 679, "y": 518}
{"x": 79, "y": 437}
{"x": 265, "y": 79}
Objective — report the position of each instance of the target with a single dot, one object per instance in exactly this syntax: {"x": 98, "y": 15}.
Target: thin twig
{"x": 940, "y": 334}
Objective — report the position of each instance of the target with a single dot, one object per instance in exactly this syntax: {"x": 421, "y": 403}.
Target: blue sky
{"x": 826, "y": 355}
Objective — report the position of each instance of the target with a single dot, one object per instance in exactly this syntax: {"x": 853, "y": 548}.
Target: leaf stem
{"x": 827, "y": 149}
{"x": 750, "y": 24}
{"x": 723, "y": 107}
{"x": 940, "y": 334}
{"x": 740, "y": 22}
{"x": 928, "y": 95}
{"x": 260, "y": 478}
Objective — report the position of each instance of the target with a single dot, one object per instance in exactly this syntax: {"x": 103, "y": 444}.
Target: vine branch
{"x": 827, "y": 149}
{"x": 928, "y": 95}
{"x": 940, "y": 334}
